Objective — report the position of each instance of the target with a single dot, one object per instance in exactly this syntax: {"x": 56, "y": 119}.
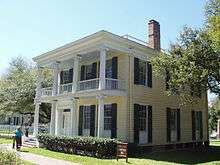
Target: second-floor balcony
{"x": 86, "y": 85}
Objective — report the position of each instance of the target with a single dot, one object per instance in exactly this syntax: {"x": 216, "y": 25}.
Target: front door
{"x": 66, "y": 122}
{"x": 143, "y": 128}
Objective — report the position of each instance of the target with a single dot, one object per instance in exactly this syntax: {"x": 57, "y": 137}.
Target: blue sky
{"x": 29, "y": 27}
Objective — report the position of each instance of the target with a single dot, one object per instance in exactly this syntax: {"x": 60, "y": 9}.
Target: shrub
{"x": 90, "y": 146}
{"x": 8, "y": 157}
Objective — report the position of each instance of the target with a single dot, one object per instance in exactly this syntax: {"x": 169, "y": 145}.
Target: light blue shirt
{"x": 18, "y": 133}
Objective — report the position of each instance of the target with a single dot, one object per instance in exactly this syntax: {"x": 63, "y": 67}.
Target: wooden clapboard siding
{"x": 157, "y": 98}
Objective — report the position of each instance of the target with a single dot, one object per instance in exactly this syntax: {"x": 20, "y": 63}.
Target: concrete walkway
{"x": 38, "y": 159}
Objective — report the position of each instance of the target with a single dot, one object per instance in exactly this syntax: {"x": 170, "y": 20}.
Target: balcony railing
{"x": 65, "y": 88}
{"x": 46, "y": 91}
{"x": 110, "y": 84}
{"x": 88, "y": 84}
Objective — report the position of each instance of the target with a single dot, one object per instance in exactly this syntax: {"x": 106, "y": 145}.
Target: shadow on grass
{"x": 188, "y": 156}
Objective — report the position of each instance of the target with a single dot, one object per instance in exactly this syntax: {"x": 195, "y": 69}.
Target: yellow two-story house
{"x": 103, "y": 86}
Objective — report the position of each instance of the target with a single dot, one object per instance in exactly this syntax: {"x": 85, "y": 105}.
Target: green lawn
{"x": 7, "y": 131}
{"x": 5, "y": 140}
{"x": 210, "y": 156}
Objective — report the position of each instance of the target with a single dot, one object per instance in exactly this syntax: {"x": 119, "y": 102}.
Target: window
{"x": 142, "y": 118}
{"x": 142, "y": 72}
{"x": 108, "y": 72}
{"x": 66, "y": 76}
{"x": 88, "y": 72}
{"x": 86, "y": 117}
{"x": 63, "y": 121}
{"x": 198, "y": 125}
{"x": 173, "y": 125}
{"x": 108, "y": 117}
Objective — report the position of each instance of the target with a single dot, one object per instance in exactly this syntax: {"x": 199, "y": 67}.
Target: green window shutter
{"x": 149, "y": 74}
{"x": 168, "y": 125}
{"x": 193, "y": 126}
{"x": 136, "y": 123}
{"x": 201, "y": 125}
{"x": 71, "y": 75}
{"x": 149, "y": 124}
{"x": 136, "y": 71}
{"x": 92, "y": 120}
{"x": 82, "y": 73}
{"x": 61, "y": 77}
{"x": 115, "y": 67}
{"x": 178, "y": 125}
{"x": 94, "y": 70}
{"x": 114, "y": 121}
{"x": 80, "y": 127}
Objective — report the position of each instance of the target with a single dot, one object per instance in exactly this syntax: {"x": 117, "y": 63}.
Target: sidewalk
{"x": 38, "y": 159}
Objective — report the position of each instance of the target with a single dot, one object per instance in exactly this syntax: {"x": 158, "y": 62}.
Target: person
{"x": 26, "y": 129}
{"x": 18, "y": 138}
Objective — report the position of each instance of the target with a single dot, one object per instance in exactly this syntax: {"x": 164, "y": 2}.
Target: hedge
{"x": 89, "y": 146}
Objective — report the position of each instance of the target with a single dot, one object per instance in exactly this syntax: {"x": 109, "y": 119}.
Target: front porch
{"x": 102, "y": 116}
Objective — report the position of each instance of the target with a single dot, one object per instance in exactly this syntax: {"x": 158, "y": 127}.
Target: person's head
{"x": 18, "y": 128}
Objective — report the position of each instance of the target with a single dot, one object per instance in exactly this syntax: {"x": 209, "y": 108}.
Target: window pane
{"x": 86, "y": 119}
{"x": 109, "y": 68}
{"x": 107, "y": 117}
{"x": 142, "y": 72}
{"x": 142, "y": 118}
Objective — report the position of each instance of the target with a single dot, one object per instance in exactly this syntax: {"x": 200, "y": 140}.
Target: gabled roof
{"x": 102, "y": 35}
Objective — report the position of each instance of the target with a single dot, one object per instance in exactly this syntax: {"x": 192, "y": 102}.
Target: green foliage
{"x": 90, "y": 146}
{"x": 7, "y": 157}
{"x": 214, "y": 113}
{"x": 17, "y": 89}
{"x": 191, "y": 62}
{"x": 212, "y": 12}
{"x": 213, "y": 118}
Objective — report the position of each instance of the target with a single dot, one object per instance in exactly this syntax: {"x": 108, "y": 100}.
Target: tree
{"x": 214, "y": 113}
{"x": 17, "y": 89}
{"x": 193, "y": 62}
{"x": 212, "y": 13}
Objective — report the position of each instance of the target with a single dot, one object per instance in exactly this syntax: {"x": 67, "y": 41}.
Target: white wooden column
{"x": 55, "y": 78}
{"x": 75, "y": 73}
{"x": 73, "y": 118}
{"x": 36, "y": 118}
{"x": 58, "y": 121}
{"x": 102, "y": 68}
{"x": 100, "y": 116}
{"x": 37, "y": 100}
{"x": 52, "y": 118}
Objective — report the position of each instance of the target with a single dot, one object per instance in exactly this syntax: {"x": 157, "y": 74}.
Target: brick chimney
{"x": 154, "y": 34}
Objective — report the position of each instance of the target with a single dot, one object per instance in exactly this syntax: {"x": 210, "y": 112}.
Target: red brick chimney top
{"x": 154, "y": 34}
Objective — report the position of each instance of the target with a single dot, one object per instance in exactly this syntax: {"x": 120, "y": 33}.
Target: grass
{"x": 7, "y": 131}
{"x": 5, "y": 140}
{"x": 25, "y": 162}
{"x": 209, "y": 156}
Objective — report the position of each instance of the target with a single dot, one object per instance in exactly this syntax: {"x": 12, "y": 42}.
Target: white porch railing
{"x": 88, "y": 84}
{"x": 111, "y": 84}
{"x": 65, "y": 88}
{"x": 46, "y": 91}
